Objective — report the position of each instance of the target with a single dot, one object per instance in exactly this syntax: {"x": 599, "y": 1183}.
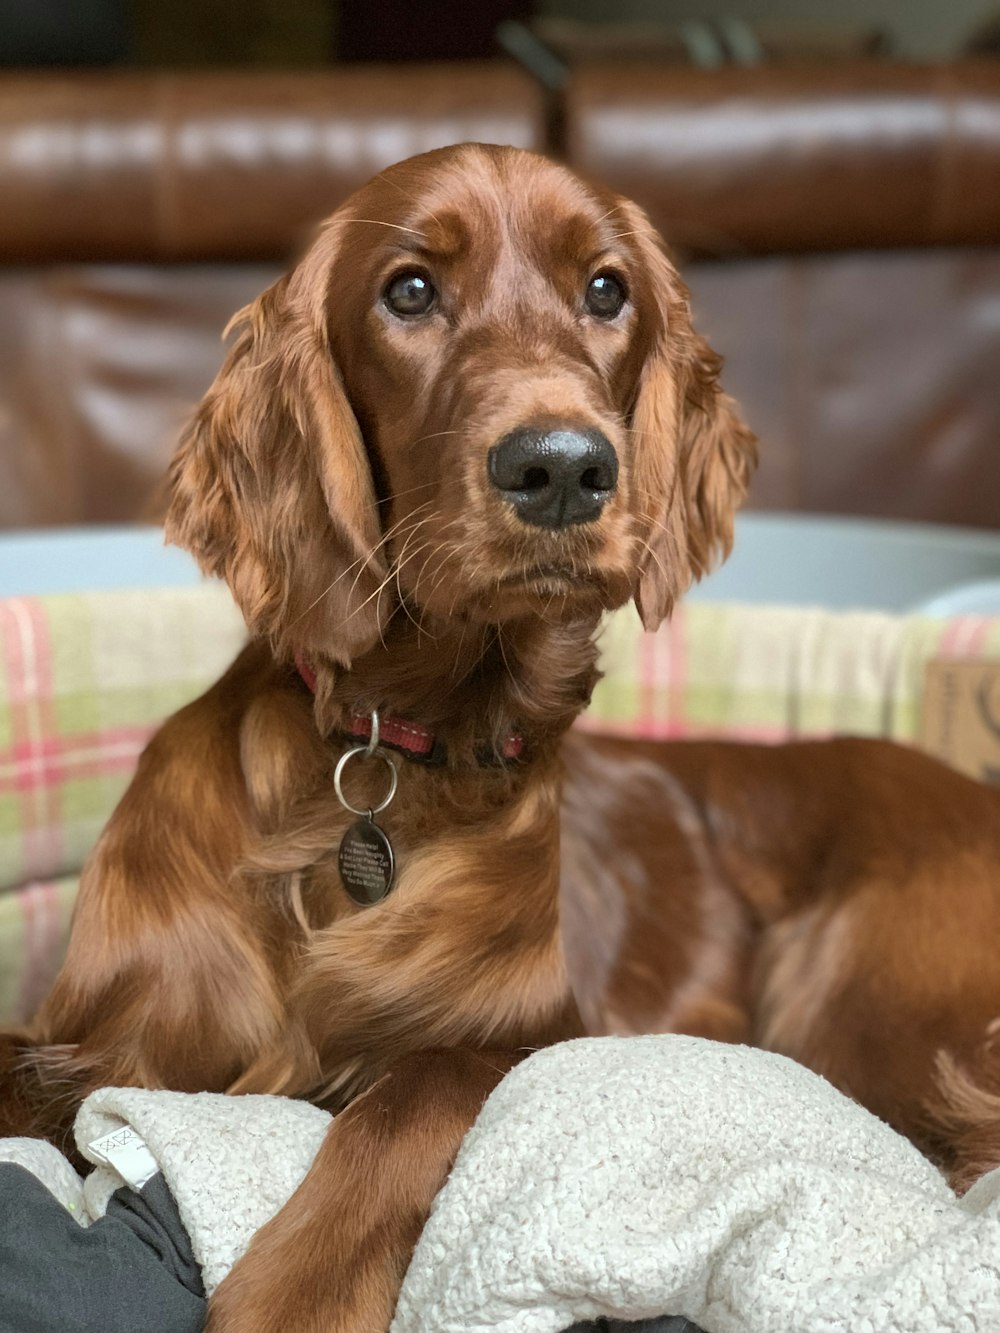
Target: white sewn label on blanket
{"x": 126, "y": 1151}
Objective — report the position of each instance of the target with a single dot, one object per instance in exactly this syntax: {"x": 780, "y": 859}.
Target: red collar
{"x": 411, "y": 739}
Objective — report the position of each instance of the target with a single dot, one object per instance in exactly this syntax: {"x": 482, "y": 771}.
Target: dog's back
{"x": 836, "y": 901}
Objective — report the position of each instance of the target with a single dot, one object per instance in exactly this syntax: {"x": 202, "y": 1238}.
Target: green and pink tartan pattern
{"x": 85, "y": 679}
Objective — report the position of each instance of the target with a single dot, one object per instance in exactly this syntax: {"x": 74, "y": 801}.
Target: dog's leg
{"x": 333, "y": 1259}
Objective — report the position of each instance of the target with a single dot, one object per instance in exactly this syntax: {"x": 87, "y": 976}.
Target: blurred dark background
{"x": 313, "y": 33}
{"x": 827, "y": 172}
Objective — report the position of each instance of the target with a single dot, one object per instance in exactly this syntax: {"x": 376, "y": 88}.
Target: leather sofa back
{"x": 794, "y": 159}
{"x": 229, "y": 166}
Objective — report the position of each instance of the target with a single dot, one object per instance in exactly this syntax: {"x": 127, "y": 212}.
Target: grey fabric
{"x": 152, "y": 1216}
{"x": 131, "y": 1269}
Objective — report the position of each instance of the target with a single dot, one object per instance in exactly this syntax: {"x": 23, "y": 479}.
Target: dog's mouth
{"x": 544, "y": 588}
{"x": 554, "y": 591}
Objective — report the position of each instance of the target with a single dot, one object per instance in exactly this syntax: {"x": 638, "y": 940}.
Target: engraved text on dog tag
{"x": 367, "y": 865}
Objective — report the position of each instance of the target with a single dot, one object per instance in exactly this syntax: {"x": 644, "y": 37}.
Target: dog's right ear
{"x": 271, "y": 489}
{"x": 697, "y": 455}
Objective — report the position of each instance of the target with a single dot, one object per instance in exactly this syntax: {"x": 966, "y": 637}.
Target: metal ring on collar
{"x": 376, "y": 735}
{"x": 339, "y": 770}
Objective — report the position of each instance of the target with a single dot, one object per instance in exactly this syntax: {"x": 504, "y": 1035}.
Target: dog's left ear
{"x": 693, "y": 453}
{"x": 271, "y": 488}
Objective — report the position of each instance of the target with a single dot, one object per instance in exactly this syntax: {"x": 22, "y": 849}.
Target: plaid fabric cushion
{"x": 34, "y": 928}
{"x": 775, "y": 673}
{"x": 84, "y": 679}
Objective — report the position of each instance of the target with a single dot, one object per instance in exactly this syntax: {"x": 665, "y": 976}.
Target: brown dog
{"x": 471, "y": 420}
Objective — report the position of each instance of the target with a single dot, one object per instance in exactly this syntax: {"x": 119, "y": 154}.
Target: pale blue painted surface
{"x": 778, "y": 559}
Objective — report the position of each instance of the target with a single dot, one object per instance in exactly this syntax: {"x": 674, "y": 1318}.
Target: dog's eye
{"x": 410, "y": 294}
{"x": 605, "y": 296}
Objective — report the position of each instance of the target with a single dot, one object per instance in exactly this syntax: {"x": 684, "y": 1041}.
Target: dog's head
{"x": 479, "y": 394}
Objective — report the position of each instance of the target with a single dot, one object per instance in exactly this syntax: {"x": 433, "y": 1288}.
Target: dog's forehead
{"x": 482, "y": 199}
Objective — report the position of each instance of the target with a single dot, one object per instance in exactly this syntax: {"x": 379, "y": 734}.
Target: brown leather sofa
{"x": 841, "y": 227}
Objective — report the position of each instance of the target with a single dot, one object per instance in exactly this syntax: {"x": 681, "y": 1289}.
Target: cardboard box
{"x": 960, "y": 716}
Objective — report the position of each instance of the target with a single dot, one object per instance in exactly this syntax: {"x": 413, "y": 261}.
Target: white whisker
{"x": 377, "y": 222}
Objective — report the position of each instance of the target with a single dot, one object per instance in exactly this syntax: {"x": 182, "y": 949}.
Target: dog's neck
{"x": 472, "y": 685}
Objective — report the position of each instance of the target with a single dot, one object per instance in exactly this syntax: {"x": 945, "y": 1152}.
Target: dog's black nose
{"x": 556, "y": 478}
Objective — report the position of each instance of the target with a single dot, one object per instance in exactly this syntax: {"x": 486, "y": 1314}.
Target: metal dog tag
{"x": 367, "y": 865}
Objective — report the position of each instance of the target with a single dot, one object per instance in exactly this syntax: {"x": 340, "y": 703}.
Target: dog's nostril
{"x": 594, "y": 479}
{"x": 554, "y": 479}
{"x": 535, "y": 479}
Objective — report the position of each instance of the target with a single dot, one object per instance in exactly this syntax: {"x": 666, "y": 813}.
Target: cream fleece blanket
{"x": 625, "y": 1177}
{"x": 653, "y": 1175}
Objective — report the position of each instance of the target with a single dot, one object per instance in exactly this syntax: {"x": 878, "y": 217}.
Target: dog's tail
{"x": 964, "y": 1111}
